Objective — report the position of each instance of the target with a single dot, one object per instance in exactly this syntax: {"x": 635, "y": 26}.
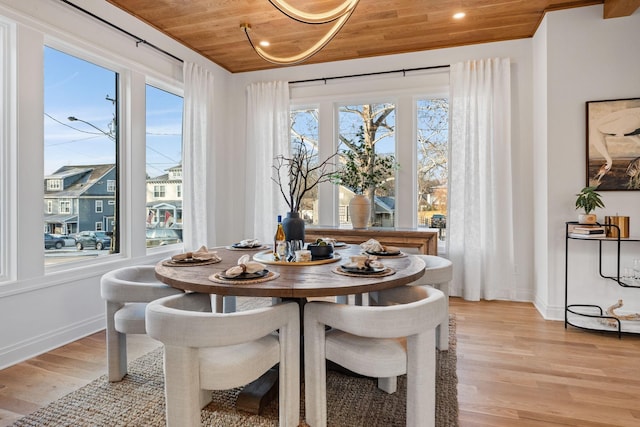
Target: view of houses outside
{"x": 81, "y": 158}
{"x": 164, "y": 166}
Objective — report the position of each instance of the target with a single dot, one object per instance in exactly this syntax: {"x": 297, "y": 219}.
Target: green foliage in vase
{"x": 363, "y": 169}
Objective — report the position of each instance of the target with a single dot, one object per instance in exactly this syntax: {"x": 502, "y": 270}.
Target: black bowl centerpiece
{"x": 320, "y": 249}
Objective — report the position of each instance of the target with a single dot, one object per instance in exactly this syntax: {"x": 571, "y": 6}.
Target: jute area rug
{"x": 138, "y": 400}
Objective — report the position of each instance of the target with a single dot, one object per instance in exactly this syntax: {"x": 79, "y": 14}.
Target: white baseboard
{"x": 43, "y": 343}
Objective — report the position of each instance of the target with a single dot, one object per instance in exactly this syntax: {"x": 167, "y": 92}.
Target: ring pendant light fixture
{"x": 339, "y": 14}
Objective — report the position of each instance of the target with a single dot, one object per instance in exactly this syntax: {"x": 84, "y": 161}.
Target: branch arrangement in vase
{"x": 299, "y": 174}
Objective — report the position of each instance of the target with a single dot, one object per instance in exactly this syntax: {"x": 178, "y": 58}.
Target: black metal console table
{"x": 591, "y": 311}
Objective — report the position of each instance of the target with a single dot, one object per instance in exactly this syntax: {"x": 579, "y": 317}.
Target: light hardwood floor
{"x": 514, "y": 369}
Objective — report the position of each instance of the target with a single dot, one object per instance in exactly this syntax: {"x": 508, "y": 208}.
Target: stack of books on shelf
{"x": 587, "y": 232}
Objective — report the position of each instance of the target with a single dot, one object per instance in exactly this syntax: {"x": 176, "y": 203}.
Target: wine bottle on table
{"x": 279, "y": 242}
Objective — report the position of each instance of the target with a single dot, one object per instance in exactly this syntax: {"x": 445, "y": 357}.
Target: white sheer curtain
{"x": 197, "y": 131}
{"x": 267, "y": 137}
{"x": 480, "y": 192}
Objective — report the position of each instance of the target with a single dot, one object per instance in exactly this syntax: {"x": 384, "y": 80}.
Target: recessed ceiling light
{"x": 459, "y": 15}
{"x": 264, "y": 43}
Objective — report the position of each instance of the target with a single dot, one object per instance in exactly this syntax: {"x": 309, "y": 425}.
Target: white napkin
{"x": 371, "y": 262}
{"x": 202, "y": 254}
{"x": 245, "y": 265}
{"x": 249, "y": 243}
{"x": 372, "y": 245}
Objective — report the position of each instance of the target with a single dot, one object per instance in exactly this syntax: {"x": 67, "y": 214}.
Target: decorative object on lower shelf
{"x": 611, "y": 312}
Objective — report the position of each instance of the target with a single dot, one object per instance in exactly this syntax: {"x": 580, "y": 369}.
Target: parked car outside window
{"x": 52, "y": 242}
{"x": 92, "y": 239}
{"x": 162, "y": 236}
{"x": 68, "y": 239}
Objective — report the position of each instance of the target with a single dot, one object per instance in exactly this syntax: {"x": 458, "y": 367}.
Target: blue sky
{"x": 74, "y": 87}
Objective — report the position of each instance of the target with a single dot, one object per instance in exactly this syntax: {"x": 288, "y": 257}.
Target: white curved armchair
{"x": 377, "y": 341}
{"x": 438, "y": 273}
{"x": 218, "y": 351}
{"x": 126, "y": 292}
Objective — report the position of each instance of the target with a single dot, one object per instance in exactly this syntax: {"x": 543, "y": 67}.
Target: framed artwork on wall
{"x": 613, "y": 144}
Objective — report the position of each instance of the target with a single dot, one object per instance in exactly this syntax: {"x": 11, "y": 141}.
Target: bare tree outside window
{"x": 432, "y": 168}
{"x": 304, "y": 128}
{"x": 370, "y": 128}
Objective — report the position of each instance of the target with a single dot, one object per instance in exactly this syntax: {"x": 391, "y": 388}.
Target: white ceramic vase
{"x": 587, "y": 218}
{"x": 359, "y": 207}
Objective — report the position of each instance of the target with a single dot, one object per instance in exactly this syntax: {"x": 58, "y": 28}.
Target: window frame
{"x": 93, "y": 55}
{"x": 159, "y": 191}
{"x": 402, "y": 91}
{"x": 8, "y": 150}
{"x": 67, "y": 204}
{"x": 176, "y": 90}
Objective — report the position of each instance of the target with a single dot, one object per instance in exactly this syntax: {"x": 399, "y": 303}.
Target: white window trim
{"x": 8, "y": 154}
{"x": 65, "y": 202}
{"x": 399, "y": 90}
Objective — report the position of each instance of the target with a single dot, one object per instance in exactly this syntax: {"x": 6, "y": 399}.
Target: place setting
{"x": 318, "y": 252}
{"x": 373, "y": 247}
{"x": 247, "y": 245}
{"x": 193, "y": 258}
{"x": 331, "y": 241}
{"x": 364, "y": 266}
{"x": 246, "y": 271}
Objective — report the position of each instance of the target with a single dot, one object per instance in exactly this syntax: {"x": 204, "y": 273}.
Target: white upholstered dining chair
{"x": 383, "y": 342}
{"x": 204, "y": 350}
{"x": 438, "y": 273}
{"x": 126, "y": 292}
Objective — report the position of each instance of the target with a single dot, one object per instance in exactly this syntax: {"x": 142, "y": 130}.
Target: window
{"x": 65, "y": 207}
{"x": 304, "y": 129}
{"x": 158, "y": 191}
{"x": 366, "y": 129}
{"x": 49, "y": 206}
{"x": 7, "y": 117}
{"x": 164, "y": 162}
{"x": 80, "y": 144}
{"x": 54, "y": 184}
{"x": 403, "y": 120}
{"x": 432, "y": 119}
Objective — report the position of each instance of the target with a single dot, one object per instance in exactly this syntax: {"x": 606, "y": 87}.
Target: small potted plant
{"x": 588, "y": 200}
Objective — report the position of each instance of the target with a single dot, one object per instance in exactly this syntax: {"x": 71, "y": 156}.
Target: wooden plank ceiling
{"x": 377, "y": 27}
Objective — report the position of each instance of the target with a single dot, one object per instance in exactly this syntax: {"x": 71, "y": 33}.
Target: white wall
{"x": 43, "y": 308}
{"x": 587, "y": 58}
{"x": 520, "y": 52}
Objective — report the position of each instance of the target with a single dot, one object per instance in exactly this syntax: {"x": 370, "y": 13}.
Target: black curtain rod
{"x": 403, "y": 71}
{"x": 137, "y": 39}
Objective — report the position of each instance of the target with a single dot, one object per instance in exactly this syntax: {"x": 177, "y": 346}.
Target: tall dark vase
{"x": 293, "y": 226}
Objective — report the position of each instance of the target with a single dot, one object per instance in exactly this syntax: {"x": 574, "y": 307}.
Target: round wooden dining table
{"x": 295, "y": 280}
